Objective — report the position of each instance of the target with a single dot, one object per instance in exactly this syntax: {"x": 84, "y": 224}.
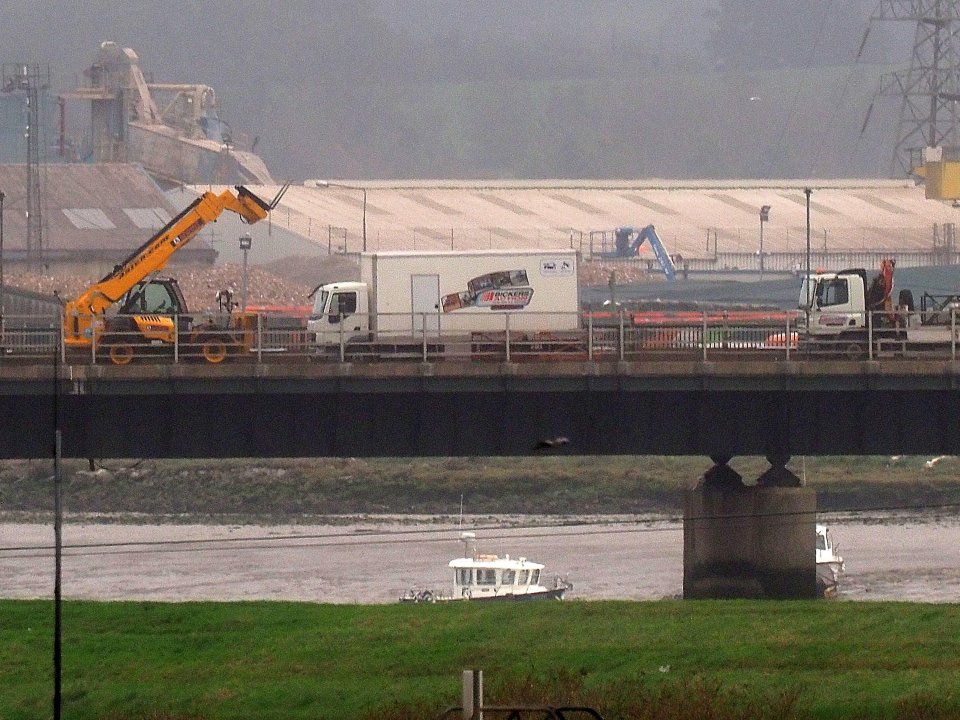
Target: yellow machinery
{"x": 941, "y": 177}
{"x": 150, "y": 308}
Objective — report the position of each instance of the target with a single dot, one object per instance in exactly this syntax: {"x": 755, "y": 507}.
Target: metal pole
{"x": 246, "y": 241}
{"x": 364, "y": 219}
{"x": 761, "y": 247}
{"x": 3, "y": 288}
{"x": 243, "y": 299}
{"x": 807, "y": 191}
{"x": 259, "y": 338}
{"x": 57, "y": 541}
{"x": 472, "y": 702}
{"x": 807, "y": 300}
{"x": 58, "y": 572}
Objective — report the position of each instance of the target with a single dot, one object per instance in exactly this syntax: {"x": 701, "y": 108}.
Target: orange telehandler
{"x": 152, "y": 312}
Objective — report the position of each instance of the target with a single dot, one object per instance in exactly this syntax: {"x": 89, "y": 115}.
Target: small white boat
{"x": 480, "y": 577}
{"x": 829, "y": 563}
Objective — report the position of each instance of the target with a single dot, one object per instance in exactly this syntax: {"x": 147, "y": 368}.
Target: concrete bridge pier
{"x": 749, "y": 541}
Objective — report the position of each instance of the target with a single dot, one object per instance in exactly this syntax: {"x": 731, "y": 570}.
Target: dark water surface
{"x": 376, "y": 559}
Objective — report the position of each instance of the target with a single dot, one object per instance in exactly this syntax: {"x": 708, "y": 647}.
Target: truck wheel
{"x": 213, "y": 350}
{"x": 120, "y": 352}
{"x": 854, "y": 351}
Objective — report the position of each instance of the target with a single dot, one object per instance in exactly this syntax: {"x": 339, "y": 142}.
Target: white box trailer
{"x": 407, "y": 296}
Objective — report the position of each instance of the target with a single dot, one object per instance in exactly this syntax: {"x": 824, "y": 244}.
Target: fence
{"x": 589, "y": 336}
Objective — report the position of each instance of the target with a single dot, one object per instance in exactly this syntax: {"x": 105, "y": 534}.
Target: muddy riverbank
{"x": 375, "y": 559}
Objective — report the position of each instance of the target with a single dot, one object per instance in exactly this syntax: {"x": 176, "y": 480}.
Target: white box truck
{"x": 406, "y": 302}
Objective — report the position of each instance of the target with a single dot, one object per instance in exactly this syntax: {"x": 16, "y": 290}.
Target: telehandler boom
{"x": 83, "y": 317}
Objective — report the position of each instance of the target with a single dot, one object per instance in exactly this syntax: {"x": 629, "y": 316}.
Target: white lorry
{"x": 848, "y": 314}
{"x": 427, "y": 303}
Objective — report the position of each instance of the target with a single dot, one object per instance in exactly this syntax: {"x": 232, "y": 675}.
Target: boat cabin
{"x": 824, "y": 544}
{"x": 830, "y": 565}
{"x": 492, "y": 576}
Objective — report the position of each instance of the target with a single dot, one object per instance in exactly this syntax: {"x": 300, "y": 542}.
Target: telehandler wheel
{"x": 213, "y": 349}
{"x": 120, "y": 352}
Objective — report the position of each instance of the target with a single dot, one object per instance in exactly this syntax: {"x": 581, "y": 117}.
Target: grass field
{"x": 732, "y": 659}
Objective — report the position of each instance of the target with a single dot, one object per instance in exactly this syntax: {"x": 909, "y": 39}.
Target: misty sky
{"x": 507, "y": 88}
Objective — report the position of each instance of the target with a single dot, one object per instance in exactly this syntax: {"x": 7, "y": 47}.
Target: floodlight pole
{"x": 245, "y": 242}
{"x": 764, "y": 217}
{"x": 3, "y": 288}
{"x": 807, "y": 299}
{"x": 807, "y": 192}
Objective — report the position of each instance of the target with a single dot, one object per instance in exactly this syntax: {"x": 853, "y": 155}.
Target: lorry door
{"x": 834, "y": 293}
{"x": 425, "y": 303}
{"x": 342, "y": 314}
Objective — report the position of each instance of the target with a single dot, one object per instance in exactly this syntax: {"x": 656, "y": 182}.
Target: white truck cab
{"x": 340, "y": 310}
{"x": 835, "y": 302}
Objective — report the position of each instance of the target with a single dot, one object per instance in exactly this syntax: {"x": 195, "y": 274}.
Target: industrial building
{"x": 90, "y": 217}
{"x": 713, "y": 225}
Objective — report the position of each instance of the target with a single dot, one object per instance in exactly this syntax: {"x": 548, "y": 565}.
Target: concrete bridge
{"x": 719, "y": 409}
{"x": 739, "y": 540}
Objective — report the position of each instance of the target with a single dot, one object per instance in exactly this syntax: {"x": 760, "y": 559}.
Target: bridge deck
{"x": 773, "y": 408}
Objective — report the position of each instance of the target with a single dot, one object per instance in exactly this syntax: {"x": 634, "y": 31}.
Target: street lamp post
{"x": 807, "y": 192}
{"x": 245, "y": 242}
{"x": 3, "y": 288}
{"x": 327, "y": 183}
{"x": 807, "y": 299}
{"x": 764, "y": 217}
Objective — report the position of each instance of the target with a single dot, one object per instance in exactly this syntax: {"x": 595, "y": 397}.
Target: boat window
{"x": 821, "y": 542}
{"x": 534, "y": 577}
{"x": 486, "y": 576}
{"x": 508, "y": 577}
{"x": 463, "y": 576}
{"x": 523, "y": 577}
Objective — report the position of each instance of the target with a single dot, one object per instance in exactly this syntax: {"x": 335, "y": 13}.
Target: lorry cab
{"x": 339, "y": 310}
{"x": 835, "y": 301}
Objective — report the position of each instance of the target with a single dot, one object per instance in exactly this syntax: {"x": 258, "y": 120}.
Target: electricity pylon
{"x": 929, "y": 91}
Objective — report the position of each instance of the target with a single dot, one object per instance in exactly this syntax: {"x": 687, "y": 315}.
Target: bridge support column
{"x": 753, "y": 541}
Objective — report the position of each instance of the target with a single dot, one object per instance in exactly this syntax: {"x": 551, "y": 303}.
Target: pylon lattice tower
{"x": 930, "y": 90}
{"x": 31, "y": 82}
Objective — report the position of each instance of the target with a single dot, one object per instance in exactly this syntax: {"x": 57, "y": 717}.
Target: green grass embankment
{"x": 630, "y": 660}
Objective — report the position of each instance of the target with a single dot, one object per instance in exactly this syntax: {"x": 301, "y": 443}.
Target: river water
{"x": 908, "y": 557}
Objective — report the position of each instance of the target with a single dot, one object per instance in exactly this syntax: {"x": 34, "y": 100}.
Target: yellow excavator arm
{"x": 154, "y": 254}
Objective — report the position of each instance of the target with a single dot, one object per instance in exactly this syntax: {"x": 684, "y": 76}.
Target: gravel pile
{"x": 284, "y": 282}
{"x": 597, "y": 272}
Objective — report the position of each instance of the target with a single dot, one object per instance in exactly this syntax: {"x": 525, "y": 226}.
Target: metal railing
{"x": 527, "y": 712}
{"x": 505, "y": 337}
